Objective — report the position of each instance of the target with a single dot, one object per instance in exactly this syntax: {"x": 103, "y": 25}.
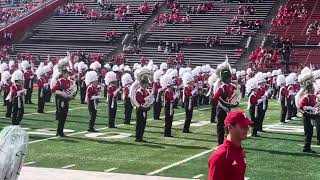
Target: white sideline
{"x": 69, "y": 166}
{"x": 81, "y": 132}
{"x": 28, "y": 163}
{"x": 187, "y": 159}
{"x": 111, "y": 169}
{"x": 35, "y": 173}
{"x": 197, "y": 176}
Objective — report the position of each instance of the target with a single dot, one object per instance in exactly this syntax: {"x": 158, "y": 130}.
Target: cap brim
{"x": 246, "y": 122}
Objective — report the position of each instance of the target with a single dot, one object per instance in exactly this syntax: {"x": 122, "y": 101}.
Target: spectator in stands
{"x": 228, "y": 31}
{"x": 239, "y": 31}
{"x": 160, "y": 46}
{"x": 144, "y": 8}
{"x": 155, "y": 7}
{"x": 101, "y": 4}
{"x": 128, "y": 11}
{"x": 186, "y": 20}
{"x": 135, "y": 27}
{"x": 135, "y": 40}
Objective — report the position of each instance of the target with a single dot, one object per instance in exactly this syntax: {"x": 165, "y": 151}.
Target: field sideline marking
{"x": 69, "y": 166}
{"x": 28, "y": 163}
{"x": 111, "y": 169}
{"x": 197, "y": 176}
{"x": 186, "y": 160}
{"x": 81, "y": 132}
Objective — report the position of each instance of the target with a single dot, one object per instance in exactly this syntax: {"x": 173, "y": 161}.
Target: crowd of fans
{"x": 313, "y": 28}
{"x": 200, "y": 9}
{"x": 77, "y": 8}
{"x": 244, "y": 10}
{"x": 287, "y": 12}
{"x": 9, "y": 13}
{"x": 5, "y": 52}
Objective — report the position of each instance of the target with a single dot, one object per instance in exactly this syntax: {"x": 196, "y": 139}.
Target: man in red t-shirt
{"x": 228, "y": 161}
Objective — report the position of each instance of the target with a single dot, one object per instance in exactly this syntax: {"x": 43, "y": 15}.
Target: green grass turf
{"x": 272, "y": 156}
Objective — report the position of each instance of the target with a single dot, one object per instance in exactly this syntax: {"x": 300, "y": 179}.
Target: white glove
{"x": 95, "y": 97}
{"x": 176, "y": 95}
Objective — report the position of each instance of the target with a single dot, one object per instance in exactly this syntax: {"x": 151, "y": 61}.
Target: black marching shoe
{"x": 92, "y": 130}
{"x": 61, "y": 135}
{"x": 308, "y": 151}
{"x": 186, "y": 131}
{"x": 141, "y": 140}
{"x": 168, "y": 135}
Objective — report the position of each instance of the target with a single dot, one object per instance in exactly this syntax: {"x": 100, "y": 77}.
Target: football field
{"x": 276, "y": 154}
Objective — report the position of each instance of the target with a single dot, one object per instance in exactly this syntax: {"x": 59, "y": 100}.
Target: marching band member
{"x": 283, "y": 96}
{"x": 49, "y": 73}
{"x": 5, "y": 87}
{"x": 126, "y": 81}
{"x": 163, "y": 67}
{"x": 61, "y": 85}
{"x": 142, "y": 99}
{"x": 222, "y": 97}
{"x": 3, "y": 67}
{"x": 113, "y": 89}
{"x": 156, "y": 90}
{"x": 212, "y": 79}
{"x": 92, "y": 97}
{"x": 28, "y": 80}
{"x": 253, "y": 101}
{"x": 42, "y": 81}
{"x": 290, "y": 87}
{"x": 307, "y": 105}
{"x": 16, "y": 96}
{"x": 169, "y": 97}
{"x": 188, "y": 96}
{"x": 262, "y": 94}
{"x": 82, "y": 68}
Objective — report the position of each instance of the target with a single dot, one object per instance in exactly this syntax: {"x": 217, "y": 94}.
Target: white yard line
{"x": 82, "y": 132}
{"x": 28, "y": 163}
{"x": 69, "y": 166}
{"x": 185, "y": 160}
{"x": 111, "y": 169}
{"x": 197, "y": 176}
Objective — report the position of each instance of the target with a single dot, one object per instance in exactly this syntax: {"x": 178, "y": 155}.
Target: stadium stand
{"x": 210, "y": 23}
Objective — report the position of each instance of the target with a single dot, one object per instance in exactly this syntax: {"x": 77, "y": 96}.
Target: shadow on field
{"x": 279, "y": 133}
{"x": 151, "y": 145}
{"x": 275, "y": 138}
{"x": 283, "y": 153}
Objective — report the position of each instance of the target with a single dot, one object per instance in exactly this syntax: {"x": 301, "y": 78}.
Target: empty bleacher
{"x": 43, "y": 50}
{"x": 77, "y": 28}
{"x": 212, "y": 23}
{"x": 197, "y": 56}
{"x": 297, "y": 27}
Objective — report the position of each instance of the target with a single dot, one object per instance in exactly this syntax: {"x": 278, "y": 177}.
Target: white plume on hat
{"x": 127, "y": 68}
{"x": 121, "y": 67}
{"x": 110, "y": 77}
{"x": 155, "y": 67}
{"x": 294, "y": 76}
{"x": 166, "y": 80}
{"x": 150, "y": 65}
{"x": 82, "y": 66}
{"x": 17, "y": 75}
{"x": 25, "y": 64}
{"x": 289, "y": 80}
{"x": 107, "y": 65}
{"x": 260, "y": 77}
{"x": 268, "y": 74}
{"x": 3, "y": 67}
{"x": 174, "y": 73}
{"x": 251, "y": 84}
{"x": 90, "y": 77}
{"x": 317, "y": 86}
{"x": 186, "y": 78}
{"x": 243, "y": 73}
{"x": 40, "y": 71}
{"x": 212, "y": 79}
{"x": 5, "y": 76}
{"x": 126, "y": 79}
{"x": 238, "y": 74}
{"x": 157, "y": 75}
{"x": 75, "y": 66}
{"x": 115, "y": 68}
{"x": 95, "y": 66}
{"x": 281, "y": 80}
{"x": 11, "y": 63}
{"x": 206, "y": 68}
{"x": 306, "y": 73}
{"x": 249, "y": 71}
{"x": 135, "y": 66}
{"x": 316, "y": 74}
{"x": 163, "y": 66}
{"x": 274, "y": 73}
{"x": 233, "y": 71}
